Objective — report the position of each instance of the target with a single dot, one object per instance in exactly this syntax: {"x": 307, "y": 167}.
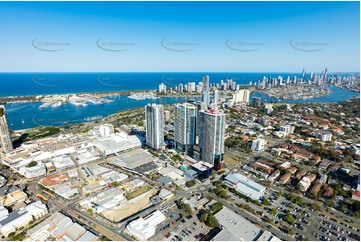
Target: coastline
{"x": 78, "y": 114}
{"x": 286, "y": 94}
{"x": 33, "y": 98}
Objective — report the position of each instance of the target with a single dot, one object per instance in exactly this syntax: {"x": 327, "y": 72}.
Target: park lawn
{"x": 137, "y": 192}
{"x": 33, "y": 132}
{"x": 231, "y": 160}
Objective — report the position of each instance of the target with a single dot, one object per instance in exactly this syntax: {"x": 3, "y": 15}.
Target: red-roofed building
{"x": 316, "y": 188}
{"x": 356, "y": 195}
{"x": 328, "y": 193}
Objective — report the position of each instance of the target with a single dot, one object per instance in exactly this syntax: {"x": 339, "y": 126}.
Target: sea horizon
{"x": 52, "y": 83}
{"x": 92, "y": 72}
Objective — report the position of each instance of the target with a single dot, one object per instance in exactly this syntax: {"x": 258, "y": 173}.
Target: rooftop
{"x": 12, "y": 216}
{"x": 233, "y": 222}
{"x": 225, "y": 235}
{"x": 7, "y": 190}
{"x": 87, "y": 236}
{"x": 134, "y": 159}
{"x": 202, "y": 166}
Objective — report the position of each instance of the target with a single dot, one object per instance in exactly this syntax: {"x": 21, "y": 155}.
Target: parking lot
{"x": 330, "y": 229}
{"x": 304, "y": 216}
{"x": 188, "y": 230}
{"x": 179, "y": 226}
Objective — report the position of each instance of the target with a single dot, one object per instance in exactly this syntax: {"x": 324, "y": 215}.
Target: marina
{"x": 142, "y": 96}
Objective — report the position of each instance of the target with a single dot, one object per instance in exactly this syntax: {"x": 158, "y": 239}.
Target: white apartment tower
{"x": 211, "y": 133}
{"x": 154, "y": 119}
{"x": 185, "y": 116}
{"x": 5, "y": 139}
{"x": 206, "y": 94}
{"x": 241, "y": 96}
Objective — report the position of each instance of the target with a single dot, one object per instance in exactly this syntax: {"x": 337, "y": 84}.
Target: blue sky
{"x": 179, "y": 36}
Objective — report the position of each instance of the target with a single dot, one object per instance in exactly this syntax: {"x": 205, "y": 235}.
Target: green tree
{"x": 186, "y": 208}
{"x": 265, "y": 201}
{"x": 329, "y": 203}
{"x": 190, "y": 183}
{"x": 211, "y": 221}
{"x": 210, "y": 197}
{"x": 299, "y": 200}
{"x": 32, "y": 164}
{"x": 289, "y": 219}
{"x": 203, "y": 217}
{"x": 273, "y": 211}
{"x": 217, "y": 207}
{"x": 315, "y": 206}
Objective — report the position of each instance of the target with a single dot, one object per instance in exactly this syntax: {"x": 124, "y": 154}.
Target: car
{"x": 194, "y": 223}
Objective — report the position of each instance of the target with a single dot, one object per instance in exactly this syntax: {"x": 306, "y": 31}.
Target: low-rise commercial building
{"x": 164, "y": 194}
{"x": 203, "y": 169}
{"x": 105, "y": 200}
{"x": 3, "y": 212}
{"x": 145, "y": 228}
{"x": 10, "y": 196}
{"x": 235, "y": 227}
{"x": 21, "y": 218}
{"x": 59, "y": 227}
{"x": 116, "y": 143}
{"x": 245, "y": 186}
{"x": 34, "y": 171}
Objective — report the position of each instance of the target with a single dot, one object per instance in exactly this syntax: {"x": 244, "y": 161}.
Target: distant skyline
{"x": 179, "y": 36}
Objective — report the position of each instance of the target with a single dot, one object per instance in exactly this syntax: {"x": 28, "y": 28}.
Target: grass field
{"x": 231, "y": 160}
{"x": 137, "y": 192}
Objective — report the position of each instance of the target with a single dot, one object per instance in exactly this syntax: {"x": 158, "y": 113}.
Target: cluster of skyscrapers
{"x": 201, "y": 87}
{"x": 304, "y": 79}
{"x": 199, "y": 127}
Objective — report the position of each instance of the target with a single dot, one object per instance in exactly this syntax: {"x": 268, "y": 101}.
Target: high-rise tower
{"x": 154, "y": 118}
{"x": 185, "y": 127}
{"x": 5, "y": 139}
{"x": 211, "y": 137}
{"x": 206, "y": 94}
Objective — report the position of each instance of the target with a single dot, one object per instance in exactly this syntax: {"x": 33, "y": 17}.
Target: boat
{"x": 142, "y": 96}
{"x": 44, "y": 105}
{"x": 56, "y": 105}
{"x": 93, "y": 118}
{"x": 22, "y": 121}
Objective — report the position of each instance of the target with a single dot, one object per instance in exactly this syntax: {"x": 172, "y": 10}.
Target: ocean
{"x": 24, "y": 84}
{"x": 28, "y": 115}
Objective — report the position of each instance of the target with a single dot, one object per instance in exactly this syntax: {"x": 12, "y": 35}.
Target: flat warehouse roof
{"x": 237, "y": 225}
